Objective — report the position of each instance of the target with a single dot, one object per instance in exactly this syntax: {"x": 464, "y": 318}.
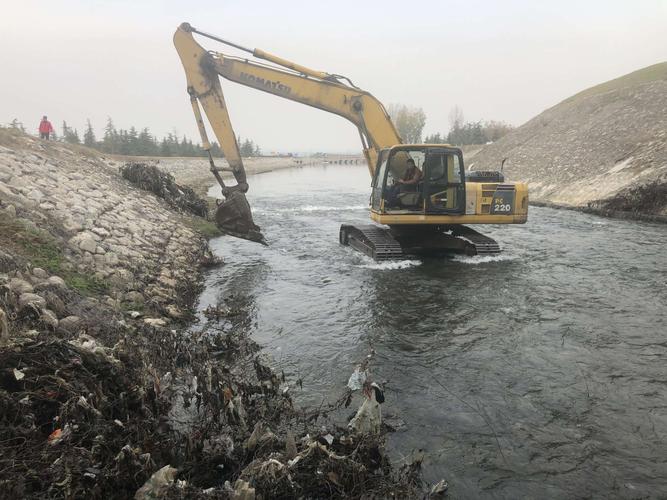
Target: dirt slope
{"x": 605, "y": 147}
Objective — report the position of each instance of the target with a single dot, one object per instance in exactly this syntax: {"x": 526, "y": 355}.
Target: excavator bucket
{"x": 234, "y": 217}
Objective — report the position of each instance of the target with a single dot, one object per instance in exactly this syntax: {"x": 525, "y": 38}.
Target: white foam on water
{"x": 315, "y": 208}
{"x": 392, "y": 264}
{"x": 310, "y": 208}
{"x": 483, "y": 259}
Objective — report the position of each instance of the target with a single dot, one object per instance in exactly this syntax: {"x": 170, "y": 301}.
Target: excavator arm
{"x": 297, "y": 83}
{"x": 291, "y": 81}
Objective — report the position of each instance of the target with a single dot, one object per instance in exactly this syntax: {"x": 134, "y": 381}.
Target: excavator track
{"x": 382, "y": 243}
{"x": 483, "y": 244}
{"x": 374, "y": 241}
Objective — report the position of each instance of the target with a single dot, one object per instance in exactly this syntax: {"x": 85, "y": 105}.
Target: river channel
{"x": 539, "y": 373}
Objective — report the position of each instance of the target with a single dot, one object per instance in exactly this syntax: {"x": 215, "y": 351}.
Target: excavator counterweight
{"x": 422, "y": 198}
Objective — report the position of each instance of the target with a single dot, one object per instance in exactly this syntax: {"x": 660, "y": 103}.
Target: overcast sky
{"x": 509, "y": 60}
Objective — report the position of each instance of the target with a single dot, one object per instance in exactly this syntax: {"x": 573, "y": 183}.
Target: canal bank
{"x": 105, "y": 389}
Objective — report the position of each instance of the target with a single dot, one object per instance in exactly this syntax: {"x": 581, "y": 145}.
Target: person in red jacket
{"x": 45, "y": 128}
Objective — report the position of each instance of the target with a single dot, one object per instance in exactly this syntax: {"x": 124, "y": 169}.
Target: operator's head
{"x": 44, "y": 117}
{"x": 411, "y": 162}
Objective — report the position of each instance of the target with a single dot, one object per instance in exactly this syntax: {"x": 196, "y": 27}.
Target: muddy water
{"x": 539, "y": 373}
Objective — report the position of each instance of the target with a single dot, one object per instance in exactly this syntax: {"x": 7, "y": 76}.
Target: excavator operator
{"x": 407, "y": 183}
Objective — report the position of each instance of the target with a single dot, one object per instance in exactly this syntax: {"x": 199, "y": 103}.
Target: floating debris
{"x": 368, "y": 419}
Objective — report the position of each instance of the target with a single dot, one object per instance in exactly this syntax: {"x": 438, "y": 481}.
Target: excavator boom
{"x": 295, "y": 82}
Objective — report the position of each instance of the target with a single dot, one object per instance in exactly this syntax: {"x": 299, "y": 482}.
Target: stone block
{"x": 31, "y": 300}
{"x": 19, "y": 286}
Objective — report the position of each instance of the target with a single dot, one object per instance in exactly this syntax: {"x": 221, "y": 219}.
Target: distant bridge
{"x": 332, "y": 159}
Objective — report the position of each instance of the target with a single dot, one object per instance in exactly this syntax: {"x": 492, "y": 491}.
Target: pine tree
{"x": 74, "y": 137}
{"x": 89, "y": 135}
{"x": 187, "y": 148}
{"x": 248, "y": 148}
{"x": 216, "y": 151}
{"x": 123, "y": 142}
{"x": 146, "y": 144}
{"x": 110, "y": 139}
{"x": 70, "y": 135}
{"x": 165, "y": 147}
{"x": 133, "y": 141}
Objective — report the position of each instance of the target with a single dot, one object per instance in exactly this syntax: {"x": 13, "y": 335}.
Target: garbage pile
{"x": 69, "y": 413}
{"x": 162, "y": 184}
{"x": 650, "y": 198}
{"x": 123, "y": 408}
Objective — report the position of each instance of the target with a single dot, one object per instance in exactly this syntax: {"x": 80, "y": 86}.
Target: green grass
{"x": 205, "y": 227}
{"x": 43, "y": 250}
{"x": 644, "y": 75}
{"x": 132, "y": 306}
{"x": 86, "y": 284}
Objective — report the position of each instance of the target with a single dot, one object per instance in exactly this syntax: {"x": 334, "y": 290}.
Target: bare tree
{"x": 494, "y": 130}
{"x": 456, "y": 118}
{"x": 408, "y": 121}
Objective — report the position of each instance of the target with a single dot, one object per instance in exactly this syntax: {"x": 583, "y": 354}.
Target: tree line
{"x": 410, "y": 124}
{"x": 140, "y": 142}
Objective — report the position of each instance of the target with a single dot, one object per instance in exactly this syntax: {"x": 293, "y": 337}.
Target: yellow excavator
{"x": 428, "y": 217}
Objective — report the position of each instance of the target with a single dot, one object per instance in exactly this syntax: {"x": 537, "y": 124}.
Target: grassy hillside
{"x": 602, "y": 144}
{"x": 641, "y": 76}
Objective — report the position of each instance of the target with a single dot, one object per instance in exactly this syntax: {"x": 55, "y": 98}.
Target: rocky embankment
{"x": 104, "y": 236}
{"x": 604, "y": 149}
{"x": 105, "y": 389}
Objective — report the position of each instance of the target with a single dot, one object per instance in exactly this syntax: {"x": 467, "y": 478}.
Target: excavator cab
{"x": 444, "y": 181}
{"x": 440, "y": 191}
